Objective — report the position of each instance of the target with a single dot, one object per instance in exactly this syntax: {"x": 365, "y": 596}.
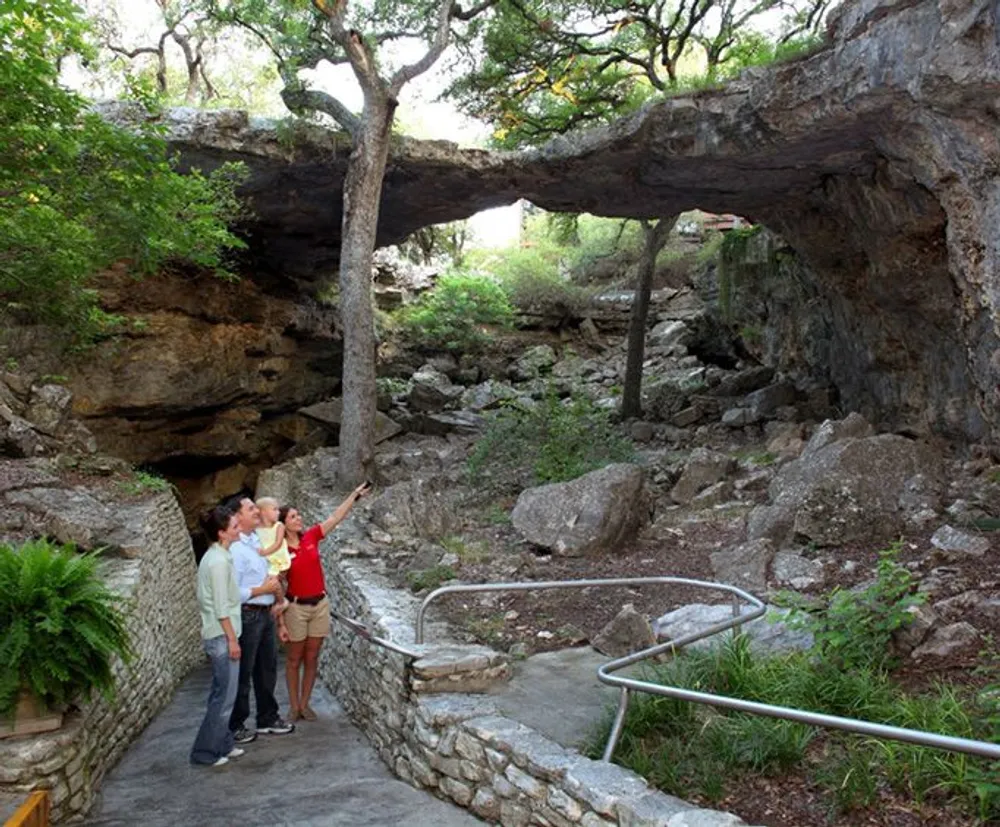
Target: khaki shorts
{"x": 308, "y": 621}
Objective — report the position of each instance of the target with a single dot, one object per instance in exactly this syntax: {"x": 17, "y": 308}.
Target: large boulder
{"x": 330, "y": 413}
{"x": 768, "y": 635}
{"x": 669, "y": 393}
{"x": 744, "y": 565}
{"x": 416, "y": 508}
{"x": 844, "y": 491}
{"x": 532, "y": 363}
{"x": 488, "y": 394}
{"x": 594, "y": 513}
{"x": 48, "y": 408}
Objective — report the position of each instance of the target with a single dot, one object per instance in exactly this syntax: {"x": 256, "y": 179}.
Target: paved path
{"x": 567, "y": 677}
{"x": 325, "y": 774}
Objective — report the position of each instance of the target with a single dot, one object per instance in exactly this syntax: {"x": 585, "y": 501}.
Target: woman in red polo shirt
{"x": 307, "y": 617}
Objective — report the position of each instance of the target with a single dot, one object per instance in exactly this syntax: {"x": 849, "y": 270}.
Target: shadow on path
{"x": 323, "y": 774}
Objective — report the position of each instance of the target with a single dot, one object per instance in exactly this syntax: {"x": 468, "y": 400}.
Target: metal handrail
{"x": 969, "y": 746}
{"x": 983, "y": 749}
{"x": 363, "y": 631}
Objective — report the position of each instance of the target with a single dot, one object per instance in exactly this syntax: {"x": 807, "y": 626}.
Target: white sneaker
{"x": 235, "y": 752}
{"x": 219, "y": 762}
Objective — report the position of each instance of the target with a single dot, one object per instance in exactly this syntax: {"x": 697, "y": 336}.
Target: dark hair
{"x": 234, "y": 504}
{"x": 215, "y": 521}
{"x": 283, "y": 512}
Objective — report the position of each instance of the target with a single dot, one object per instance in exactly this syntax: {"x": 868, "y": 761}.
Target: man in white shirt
{"x": 258, "y": 641}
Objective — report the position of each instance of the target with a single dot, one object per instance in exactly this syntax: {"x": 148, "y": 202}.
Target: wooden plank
{"x": 32, "y": 813}
{"x": 29, "y": 726}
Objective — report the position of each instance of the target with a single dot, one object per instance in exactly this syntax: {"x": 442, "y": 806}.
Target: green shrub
{"x": 453, "y": 314}
{"x": 544, "y": 292}
{"x": 682, "y": 747}
{"x": 553, "y": 441}
{"x": 61, "y": 626}
{"x": 856, "y": 628}
{"x": 532, "y": 276}
{"x": 392, "y": 385}
{"x": 430, "y": 578}
{"x": 143, "y": 482}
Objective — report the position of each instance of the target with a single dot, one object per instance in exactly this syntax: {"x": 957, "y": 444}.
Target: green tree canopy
{"x": 542, "y": 67}
{"x": 77, "y": 193}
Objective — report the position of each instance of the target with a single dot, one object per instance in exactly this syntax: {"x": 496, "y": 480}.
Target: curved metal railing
{"x": 606, "y": 672}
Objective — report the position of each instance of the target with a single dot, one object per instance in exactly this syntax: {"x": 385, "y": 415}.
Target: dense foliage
{"x": 61, "y": 626}
{"x": 855, "y": 629}
{"x": 553, "y": 440}
{"x": 561, "y": 64}
{"x": 453, "y": 315}
{"x": 77, "y": 193}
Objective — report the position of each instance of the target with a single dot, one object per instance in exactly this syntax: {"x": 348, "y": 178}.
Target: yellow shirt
{"x": 280, "y": 560}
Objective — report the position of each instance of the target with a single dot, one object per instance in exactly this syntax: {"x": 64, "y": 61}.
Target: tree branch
{"x": 458, "y": 13}
{"x": 438, "y": 45}
{"x": 299, "y": 99}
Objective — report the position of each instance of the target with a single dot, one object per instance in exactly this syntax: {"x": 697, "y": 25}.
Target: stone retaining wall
{"x": 162, "y": 615}
{"x": 458, "y": 745}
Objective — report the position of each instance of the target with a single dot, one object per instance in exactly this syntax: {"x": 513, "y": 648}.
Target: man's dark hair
{"x": 215, "y": 521}
{"x": 234, "y": 504}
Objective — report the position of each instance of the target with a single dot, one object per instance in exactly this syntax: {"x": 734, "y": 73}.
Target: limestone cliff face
{"x": 876, "y": 159}
{"x": 205, "y": 386}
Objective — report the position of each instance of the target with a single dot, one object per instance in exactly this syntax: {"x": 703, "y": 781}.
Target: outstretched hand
{"x": 362, "y": 490}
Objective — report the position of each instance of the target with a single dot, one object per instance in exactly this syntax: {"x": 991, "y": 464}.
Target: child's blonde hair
{"x": 267, "y": 502}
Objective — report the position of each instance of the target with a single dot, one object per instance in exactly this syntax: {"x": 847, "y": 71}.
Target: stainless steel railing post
{"x": 616, "y": 727}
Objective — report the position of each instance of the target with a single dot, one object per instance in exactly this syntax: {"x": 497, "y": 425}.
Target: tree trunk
{"x": 653, "y": 239}
{"x": 362, "y": 194}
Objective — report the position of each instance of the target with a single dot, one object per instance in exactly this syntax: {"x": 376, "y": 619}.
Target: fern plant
{"x": 61, "y": 626}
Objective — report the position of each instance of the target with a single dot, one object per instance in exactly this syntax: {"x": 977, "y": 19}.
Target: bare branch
{"x": 458, "y": 13}
{"x": 134, "y": 53}
{"x": 438, "y": 45}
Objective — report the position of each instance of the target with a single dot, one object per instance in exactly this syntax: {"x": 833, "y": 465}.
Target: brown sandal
{"x": 308, "y": 714}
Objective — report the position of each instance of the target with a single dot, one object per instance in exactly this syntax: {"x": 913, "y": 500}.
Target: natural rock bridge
{"x": 875, "y": 159}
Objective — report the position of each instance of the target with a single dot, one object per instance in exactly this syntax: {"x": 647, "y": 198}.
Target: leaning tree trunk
{"x": 653, "y": 239}
{"x": 362, "y": 194}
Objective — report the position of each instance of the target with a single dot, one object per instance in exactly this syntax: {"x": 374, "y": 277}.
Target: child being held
{"x": 272, "y": 542}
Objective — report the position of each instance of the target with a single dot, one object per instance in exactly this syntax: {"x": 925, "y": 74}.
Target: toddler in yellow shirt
{"x": 272, "y": 543}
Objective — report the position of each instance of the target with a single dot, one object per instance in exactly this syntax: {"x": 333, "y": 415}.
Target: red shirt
{"x": 305, "y": 577}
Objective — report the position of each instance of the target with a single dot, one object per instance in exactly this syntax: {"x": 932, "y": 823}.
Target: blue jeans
{"x": 214, "y": 738}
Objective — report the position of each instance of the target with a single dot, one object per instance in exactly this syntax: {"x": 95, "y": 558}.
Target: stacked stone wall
{"x": 430, "y": 717}
{"x": 457, "y": 744}
{"x": 156, "y": 582}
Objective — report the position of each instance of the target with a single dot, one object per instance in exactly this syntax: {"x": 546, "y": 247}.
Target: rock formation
{"x": 874, "y": 158}
{"x": 205, "y": 385}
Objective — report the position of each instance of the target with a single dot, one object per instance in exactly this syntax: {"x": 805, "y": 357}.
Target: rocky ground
{"x": 739, "y": 476}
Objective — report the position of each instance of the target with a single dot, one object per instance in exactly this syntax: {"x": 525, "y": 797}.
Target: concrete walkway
{"x": 325, "y": 774}
{"x": 558, "y": 695}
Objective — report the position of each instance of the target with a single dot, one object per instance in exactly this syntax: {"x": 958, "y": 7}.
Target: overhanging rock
{"x": 874, "y": 158}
